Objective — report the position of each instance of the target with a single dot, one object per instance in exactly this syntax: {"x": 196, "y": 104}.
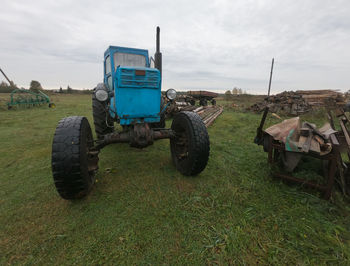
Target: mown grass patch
{"x": 142, "y": 211}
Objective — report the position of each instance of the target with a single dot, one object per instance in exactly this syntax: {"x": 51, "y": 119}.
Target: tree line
{"x": 235, "y": 91}
{"x": 35, "y": 86}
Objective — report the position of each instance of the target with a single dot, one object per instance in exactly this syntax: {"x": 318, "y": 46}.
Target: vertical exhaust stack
{"x": 158, "y": 54}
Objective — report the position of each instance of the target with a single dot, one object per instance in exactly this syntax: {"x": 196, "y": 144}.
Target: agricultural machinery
{"x": 131, "y": 96}
{"x": 26, "y": 98}
{"x": 203, "y": 97}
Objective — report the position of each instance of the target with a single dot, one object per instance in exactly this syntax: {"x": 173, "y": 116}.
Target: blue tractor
{"x": 131, "y": 96}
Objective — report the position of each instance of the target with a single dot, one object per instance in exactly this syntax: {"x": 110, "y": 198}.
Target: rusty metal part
{"x": 259, "y": 131}
{"x": 276, "y": 148}
{"x": 138, "y": 136}
{"x": 306, "y": 146}
{"x": 141, "y": 136}
{"x": 344, "y": 147}
{"x": 345, "y": 132}
{"x": 332, "y": 157}
{"x": 272, "y": 63}
{"x": 330, "y": 118}
{"x": 92, "y": 160}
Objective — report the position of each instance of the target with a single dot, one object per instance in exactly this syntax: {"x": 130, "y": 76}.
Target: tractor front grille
{"x": 128, "y": 78}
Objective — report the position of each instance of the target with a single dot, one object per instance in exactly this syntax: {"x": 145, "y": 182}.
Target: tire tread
{"x": 68, "y": 174}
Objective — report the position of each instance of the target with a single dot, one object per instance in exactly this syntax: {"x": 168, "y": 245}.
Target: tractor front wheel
{"x": 103, "y": 122}
{"x": 190, "y": 146}
{"x": 73, "y": 163}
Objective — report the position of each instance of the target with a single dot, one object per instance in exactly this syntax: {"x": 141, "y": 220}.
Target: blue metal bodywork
{"x": 137, "y": 90}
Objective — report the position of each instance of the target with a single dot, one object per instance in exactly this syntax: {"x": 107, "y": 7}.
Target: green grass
{"x": 142, "y": 211}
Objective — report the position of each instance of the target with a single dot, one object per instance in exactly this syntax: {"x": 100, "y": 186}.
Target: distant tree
{"x": 86, "y": 91}
{"x": 228, "y": 95}
{"x": 35, "y": 86}
{"x": 234, "y": 91}
{"x": 69, "y": 89}
{"x": 3, "y": 84}
{"x": 61, "y": 90}
{"x": 239, "y": 91}
{"x": 6, "y": 88}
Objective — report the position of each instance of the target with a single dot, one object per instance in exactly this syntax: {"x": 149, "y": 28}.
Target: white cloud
{"x": 205, "y": 44}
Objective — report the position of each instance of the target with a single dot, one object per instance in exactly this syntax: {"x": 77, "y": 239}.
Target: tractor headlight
{"x": 171, "y": 94}
{"x": 101, "y": 95}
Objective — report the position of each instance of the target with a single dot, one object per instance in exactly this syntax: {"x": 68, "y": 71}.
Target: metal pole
{"x": 273, "y": 60}
{"x": 6, "y": 76}
{"x": 259, "y": 132}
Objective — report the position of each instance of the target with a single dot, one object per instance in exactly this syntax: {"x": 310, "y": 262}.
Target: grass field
{"x": 142, "y": 211}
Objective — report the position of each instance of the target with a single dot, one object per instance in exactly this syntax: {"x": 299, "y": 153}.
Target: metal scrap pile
{"x": 298, "y": 102}
{"x": 288, "y": 141}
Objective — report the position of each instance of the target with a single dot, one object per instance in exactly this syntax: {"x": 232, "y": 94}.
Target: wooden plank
{"x": 346, "y": 133}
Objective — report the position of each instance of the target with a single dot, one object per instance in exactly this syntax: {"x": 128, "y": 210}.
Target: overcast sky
{"x": 205, "y": 44}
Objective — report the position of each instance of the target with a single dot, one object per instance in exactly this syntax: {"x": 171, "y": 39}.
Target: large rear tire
{"x": 103, "y": 122}
{"x": 73, "y": 164}
{"x": 203, "y": 102}
{"x": 190, "y": 147}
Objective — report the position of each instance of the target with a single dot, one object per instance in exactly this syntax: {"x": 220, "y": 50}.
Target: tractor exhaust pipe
{"x": 158, "y": 54}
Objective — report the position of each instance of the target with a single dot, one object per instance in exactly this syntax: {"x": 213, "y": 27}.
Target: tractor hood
{"x": 137, "y": 94}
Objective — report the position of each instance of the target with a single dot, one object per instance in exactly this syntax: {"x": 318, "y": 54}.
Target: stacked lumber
{"x": 322, "y": 97}
{"x": 299, "y": 102}
{"x": 209, "y": 113}
{"x": 288, "y": 102}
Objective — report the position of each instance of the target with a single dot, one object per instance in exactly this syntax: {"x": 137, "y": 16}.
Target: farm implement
{"x": 203, "y": 97}
{"x": 26, "y": 98}
{"x": 130, "y": 96}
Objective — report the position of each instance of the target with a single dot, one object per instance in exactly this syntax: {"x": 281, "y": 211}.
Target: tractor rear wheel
{"x": 190, "y": 146}
{"x": 203, "y": 102}
{"x": 103, "y": 122}
{"x": 73, "y": 163}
